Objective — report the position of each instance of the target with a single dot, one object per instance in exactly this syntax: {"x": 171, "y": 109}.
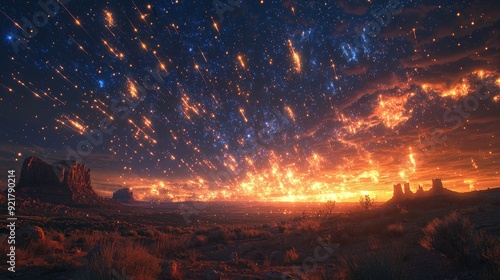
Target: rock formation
{"x": 420, "y": 192}
{"x": 408, "y": 192}
{"x": 40, "y": 180}
{"x": 397, "y": 192}
{"x": 77, "y": 177}
{"x": 124, "y": 195}
{"x": 437, "y": 189}
{"x": 437, "y": 186}
{"x": 37, "y": 172}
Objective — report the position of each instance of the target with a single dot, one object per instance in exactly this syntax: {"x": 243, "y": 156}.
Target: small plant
{"x": 291, "y": 255}
{"x": 193, "y": 255}
{"x": 282, "y": 227}
{"x": 319, "y": 213}
{"x": 366, "y": 202}
{"x": 330, "y": 205}
{"x": 120, "y": 256}
{"x": 308, "y": 226}
{"x": 456, "y": 238}
{"x": 384, "y": 263}
{"x": 397, "y": 230}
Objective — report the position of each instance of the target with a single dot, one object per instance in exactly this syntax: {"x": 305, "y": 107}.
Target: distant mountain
{"x": 63, "y": 182}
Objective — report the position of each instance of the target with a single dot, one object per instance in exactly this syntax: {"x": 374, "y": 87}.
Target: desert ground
{"x": 443, "y": 237}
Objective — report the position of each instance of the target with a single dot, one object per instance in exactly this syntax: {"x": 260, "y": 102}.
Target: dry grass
{"x": 164, "y": 244}
{"x": 309, "y": 226}
{"x": 121, "y": 258}
{"x": 85, "y": 240}
{"x": 455, "y": 237}
{"x": 291, "y": 255}
{"x": 193, "y": 255}
{"x": 383, "y": 263}
{"x": 396, "y": 230}
{"x": 246, "y": 233}
{"x": 282, "y": 227}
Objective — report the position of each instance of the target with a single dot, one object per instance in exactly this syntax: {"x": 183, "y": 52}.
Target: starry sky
{"x": 254, "y": 100}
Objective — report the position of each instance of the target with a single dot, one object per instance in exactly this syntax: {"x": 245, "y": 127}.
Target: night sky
{"x": 258, "y": 100}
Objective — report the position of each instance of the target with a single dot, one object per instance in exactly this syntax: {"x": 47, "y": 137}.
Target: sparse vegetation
{"x": 455, "y": 237}
{"x": 396, "y": 230}
{"x": 308, "y": 226}
{"x": 291, "y": 255}
{"x": 283, "y": 227}
{"x": 269, "y": 247}
{"x": 120, "y": 257}
{"x": 385, "y": 263}
{"x": 330, "y": 205}
{"x": 366, "y": 202}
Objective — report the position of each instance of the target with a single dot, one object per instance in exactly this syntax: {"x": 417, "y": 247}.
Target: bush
{"x": 121, "y": 258}
{"x": 381, "y": 264}
{"x": 456, "y": 238}
{"x": 246, "y": 233}
{"x": 165, "y": 244}
{"x": 291, "y": 255}
{"x": 282, "y": 227}
{"x": 396, "y": 230}
{"x": 308, "y": 226}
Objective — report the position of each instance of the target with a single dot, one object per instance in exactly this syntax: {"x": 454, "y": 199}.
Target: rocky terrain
{"x": 65, "y": 231}
{"x": 62, "y": 182}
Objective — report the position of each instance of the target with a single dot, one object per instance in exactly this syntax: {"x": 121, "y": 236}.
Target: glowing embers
{"x": 392, "y": 112}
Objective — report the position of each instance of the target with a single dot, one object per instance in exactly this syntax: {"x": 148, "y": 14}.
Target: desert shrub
{"x": 121, "y": 258}
{"x": 165, "y": 244}
{"x": 291, "y": 255}
{"x": 85, "y": 240}
{"x": 193, "y": 255}
{"x": 197, "y": 241}
{"x": 491, "y": 254}
{"x": 43, "y": 247}
{"x": 384, "y": 263}
{"x": 245, "y": 233}
{"x": 282, "y": 227}
{"x": 267, "y": 263}
{"x": 62, "y": 263}
{"x": 396, "y": 230}
{"x": 366, "y": 202}
{"x": 309, "y": 226}
{"x": 217, "y": 235}
{"x": 455, "y": 237}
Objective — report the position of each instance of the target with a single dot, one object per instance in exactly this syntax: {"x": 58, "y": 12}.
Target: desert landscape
{"x": 250, "y": 140}
{"x": 433, "y": 234}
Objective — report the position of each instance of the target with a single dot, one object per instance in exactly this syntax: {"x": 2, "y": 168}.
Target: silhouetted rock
{"x": 398, "y": 192}
{"x": 124, "y": 195}
{"x": 39, "y": 180}
{"x": 437, "y": 190}
{"x": 437, "y": 186}
{"x": 420, "y": 192}
{"x": 408, "y": 192}
{"x": 37, "y": 172}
